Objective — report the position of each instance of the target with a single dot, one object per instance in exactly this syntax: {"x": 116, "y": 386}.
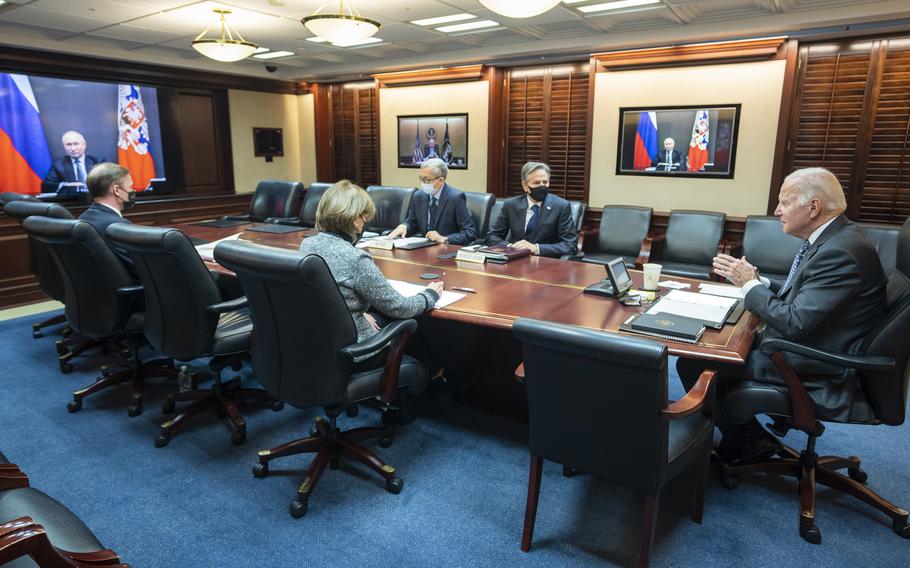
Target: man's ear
{"x": 815, "y": 208}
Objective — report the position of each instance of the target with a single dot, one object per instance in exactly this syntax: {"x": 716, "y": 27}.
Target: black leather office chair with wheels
{"x": 392, "y": 204}
{"x": 479, "y": 206}
{"x": 882, "y": 367}
{"x": 597, "y": 403}
{"x": 692, "y": 240}
{"x": 307, "y": 216}
{"x": 304, "y": 351}
{"x": 273, "y": 199}
{"x": 187, "y": 318}
{"x": 99, "y": 303}
{"x": 767, "y": 247}
{"x": 623, "y": 232}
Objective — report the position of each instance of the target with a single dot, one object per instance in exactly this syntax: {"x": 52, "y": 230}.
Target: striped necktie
{"x": 796, "y": 260}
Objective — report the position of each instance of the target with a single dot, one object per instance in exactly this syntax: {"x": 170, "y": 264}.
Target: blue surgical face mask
{"x": 427, "y": 188}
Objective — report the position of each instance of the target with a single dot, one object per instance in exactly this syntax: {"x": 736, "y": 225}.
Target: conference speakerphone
{"x": 617, "y": 283}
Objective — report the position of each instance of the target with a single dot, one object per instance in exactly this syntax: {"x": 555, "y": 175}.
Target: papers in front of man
{"x": 405, "y": 243}
{"x": 721, "y": 290}
{"x": 207, "y": 251}
{"x": 713, "y": 310}
{"x": 408, "y": 289}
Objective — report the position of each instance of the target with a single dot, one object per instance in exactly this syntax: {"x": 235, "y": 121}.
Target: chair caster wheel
{"x": 901, "y": 529}
{"x": 298, "y": 509}
{"x": 61, "y": 348}
{"x": 811, "y": 535}
{"x": 260, "y": 470}
{"x": 66, "y": 368}
{"x": 37, "y": 334}
{"x": 134, "y": 410}
{"x": 385, "y": 442}
{"x": 278, "y": 406}
{"x": 314, "y": 432}
{"x": 857, "y": 475}
{"x": 729, "y": 481}
{"x": 394, "y": 485}
{"x": 238, "y": 438}
{"x": 167, "y": 406}
{"x": 568, "y": 471}
{"x": 162, "y": 440}
{"x": 74, "y": 406}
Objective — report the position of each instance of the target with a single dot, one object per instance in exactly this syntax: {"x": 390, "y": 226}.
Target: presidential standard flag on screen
{"x": 446, "y": 146}
{"x": 698, "y": 147}
{"x": 133, "y": 141}
{"x": 645, "y": 141}
{"x": 418, "y": 151}
{"x": 24, "y": 156}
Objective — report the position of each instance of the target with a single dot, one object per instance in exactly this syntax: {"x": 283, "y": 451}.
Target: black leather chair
{"x": 187, "y": 318}
{"x": 623, "y": 232}
{"x": 10, "y": 196}
{"x": 309, "y": 203}
{"x": 884, "y": 238}
{"x": 98, "y": 302}
{"x": 768, "y": 247}
{"x": 273, "y": 199}
{"x": 597, "y": 403}
{"x": 391, "y": 203}
{"x": 882, "y": 367}
{"x": 304, "y": 349}
{"x": 495, "y": 210}
{"x": 692, "y": 240}
{"x": 479, "y": 206}
{"x": 37, "y": 530}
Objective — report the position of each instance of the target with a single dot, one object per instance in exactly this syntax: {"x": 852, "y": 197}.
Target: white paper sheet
{"x": 720, "y": 290}
{"x": 711, "y": 309}
{"x": 408, "y": 289}
{"x": 673, "y": 284}
{"x": 207, "y": 251}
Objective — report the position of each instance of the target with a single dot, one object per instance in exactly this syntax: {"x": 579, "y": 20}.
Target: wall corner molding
{"x": 463, "y": 73}
{"x": 692, "y": 54}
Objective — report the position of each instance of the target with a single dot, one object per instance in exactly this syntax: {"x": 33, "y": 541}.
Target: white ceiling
{"x": 160, "y": 31}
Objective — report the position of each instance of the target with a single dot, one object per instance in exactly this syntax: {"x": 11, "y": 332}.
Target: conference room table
{"x": 474, "y": 333}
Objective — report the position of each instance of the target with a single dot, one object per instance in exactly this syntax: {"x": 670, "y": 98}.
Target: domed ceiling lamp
{"x": 519, "y": 8}
{"x": 345, "y": 26}
{"x": 229, "y": 47}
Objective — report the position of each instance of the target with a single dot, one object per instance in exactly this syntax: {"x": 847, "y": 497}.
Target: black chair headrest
{"x": 24, "y": 208}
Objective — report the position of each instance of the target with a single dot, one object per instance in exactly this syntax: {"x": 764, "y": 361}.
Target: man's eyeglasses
{"x": 428, "y": 180}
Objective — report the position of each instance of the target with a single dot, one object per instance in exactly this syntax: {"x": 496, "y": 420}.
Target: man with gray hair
{"x": 68, "y": 173}
{"x": 833, "y": 297}
{"x": 111, "y": 186}
{"x": 537, "y": 220}
{"x": 438, "y": 211}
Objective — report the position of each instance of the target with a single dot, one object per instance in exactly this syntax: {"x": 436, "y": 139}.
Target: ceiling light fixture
{"x": 467, "y": 26}
{"x": 274, "y": 54}
{"x": 344, "y": 27}
{"x": 444, "y": 19}
{"x": 618, "y": 5}
{"x": 519, "y": 8}
{"x": 227, "y": 48}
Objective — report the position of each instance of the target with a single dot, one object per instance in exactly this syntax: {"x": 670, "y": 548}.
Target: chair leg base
{"x": 111, "y": 376}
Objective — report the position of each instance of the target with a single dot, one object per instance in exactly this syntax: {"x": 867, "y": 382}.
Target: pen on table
{"x": 468, "y": 290}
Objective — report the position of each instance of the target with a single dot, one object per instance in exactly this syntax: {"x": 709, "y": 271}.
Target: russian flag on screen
{"x": 24, "y": 156}
{"x": 133, "y": 141}
{"x": 645, "y": 141}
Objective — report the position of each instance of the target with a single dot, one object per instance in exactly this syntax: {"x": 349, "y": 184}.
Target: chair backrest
{"x": 693, "y": 236}
{"x": 594, "y": 400}
{"x": 622, "y": 229}
{"x": 91, "y": 274}
{"x": 767, "y": 246}
{"x": 10, "y": 196}
{"x": 884, "y": 238}
{"x": 480, "y": 206}
{"x": 177, "y": 287}
{"x": 391, "y": 203}
{"x": 276, "y": 198}
{"x": 41, "y": 262}
{"x": 578, "y": 209}
{"x": 887, "y": 390}
{"x": 300, "y": 322}
{"x": 314, "y": 193}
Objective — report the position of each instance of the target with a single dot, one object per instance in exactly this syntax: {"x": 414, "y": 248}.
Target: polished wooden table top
{"x": 532, "y": 287}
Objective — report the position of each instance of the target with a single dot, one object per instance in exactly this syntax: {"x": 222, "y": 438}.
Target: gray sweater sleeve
{"x": 371, "y": 285}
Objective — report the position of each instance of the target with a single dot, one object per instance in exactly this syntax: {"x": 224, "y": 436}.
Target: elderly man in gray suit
{"x": 833, "y": 296}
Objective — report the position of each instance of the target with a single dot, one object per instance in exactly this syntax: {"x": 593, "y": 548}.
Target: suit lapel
{"x": 522, "y": 215}
{"x": 839, "y": 222}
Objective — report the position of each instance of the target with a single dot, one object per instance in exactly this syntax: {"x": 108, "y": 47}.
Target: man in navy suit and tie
{"x": 111, "y": 186}
{"x": 668, "y": 160}
{"x": 68, "y": 174}
{"x": 537, "y": 220}
{"x": 438, "y": 211}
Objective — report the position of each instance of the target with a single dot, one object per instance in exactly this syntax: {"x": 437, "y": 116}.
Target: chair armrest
{"x": 864, "y": 362}
{"x": 700, "y": 394}
{"x": 237, "y": 217}
{"x": 24, "y": 537}
{"x": 11, "y": 477}
{"x": 130, "y": 290}
{"x": 380, "y": 340}
{"x": 396, "y": 335}
{"x": 295, "y": 221}
{"x": 520, "y": 373}
{"x": 228, "y": 306}
{"x": 644, "y": 253}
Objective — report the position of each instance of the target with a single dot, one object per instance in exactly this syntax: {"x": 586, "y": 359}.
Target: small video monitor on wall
{"x": 268, "y": 142}
{"x": 442, "y": 136}
{"x": 691, "y": 141}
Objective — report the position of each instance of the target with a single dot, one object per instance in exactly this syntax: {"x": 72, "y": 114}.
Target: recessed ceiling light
{"x": 364, "y": 41}
{"x": 274, "y": 54}
{"x": 258, "y": 49}
{"x": 317, "y": 39}
{"x": 444, "y": 19}
{"x": 468, "y": 26}
{"x": 617, "y": 5}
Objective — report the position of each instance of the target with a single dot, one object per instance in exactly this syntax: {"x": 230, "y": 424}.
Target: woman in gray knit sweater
{"x": 340, "y": 216}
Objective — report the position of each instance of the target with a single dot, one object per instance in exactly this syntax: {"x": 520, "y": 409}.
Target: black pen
{"x": 468, "y": 290}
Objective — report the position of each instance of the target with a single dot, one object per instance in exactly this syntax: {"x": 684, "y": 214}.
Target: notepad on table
{"x": 712, "y": 310}
{"x": 665, "y": 326}
{"x": 408, "y": 289}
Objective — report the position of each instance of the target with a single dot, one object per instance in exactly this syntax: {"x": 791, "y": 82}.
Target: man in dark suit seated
{"x": 833, "y": 296}
{"x": 538, "y": 220}
{"x": 68, "y": 174}
{"x": 668, "y": 160}
{"x": 438, "y": 211}
{"x": 111, "y": 186}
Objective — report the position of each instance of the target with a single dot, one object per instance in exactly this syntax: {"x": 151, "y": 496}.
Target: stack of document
{"x": 408, "y": 289}
{"x": 207, "y": 251}
{"x": 713, "y": 310}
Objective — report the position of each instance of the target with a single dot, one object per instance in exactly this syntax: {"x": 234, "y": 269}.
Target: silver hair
{"x": 531, "y": 167}
{"x": 437, "y": 166}
{"x": 818, "y": 183}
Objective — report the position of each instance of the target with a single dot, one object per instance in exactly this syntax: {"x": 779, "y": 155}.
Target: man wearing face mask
{"x": 538, "y": 220}
{"x": 111, "y": 187}
{"x": 438, "y": 211}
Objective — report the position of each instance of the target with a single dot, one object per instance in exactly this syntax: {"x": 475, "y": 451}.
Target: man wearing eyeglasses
{"x": 438, "y": 211}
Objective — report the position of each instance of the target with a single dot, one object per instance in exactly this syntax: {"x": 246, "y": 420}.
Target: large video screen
{"x": 697, "y": 141}
{"x": 53, "y": 130}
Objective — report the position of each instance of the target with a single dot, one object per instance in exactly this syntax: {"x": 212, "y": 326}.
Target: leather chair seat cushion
{"x": 135, "y": 322}
{"x": 364, "y": 385}
{"x": 751, "y": 397}
{"x": 605, "y": 257}
{"x": 683, "y": 434}
{"x": 233, "y": 332}
{"x": 685, "y": 269}
{"x": 64, "y": 528}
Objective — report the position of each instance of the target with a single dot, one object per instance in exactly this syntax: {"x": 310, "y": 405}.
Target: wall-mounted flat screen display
{"x": 424, "y": 137}
{"x": 696, "y": 141}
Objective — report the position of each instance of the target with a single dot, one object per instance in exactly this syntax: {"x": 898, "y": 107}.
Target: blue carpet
{"x": 195, "y": 502}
